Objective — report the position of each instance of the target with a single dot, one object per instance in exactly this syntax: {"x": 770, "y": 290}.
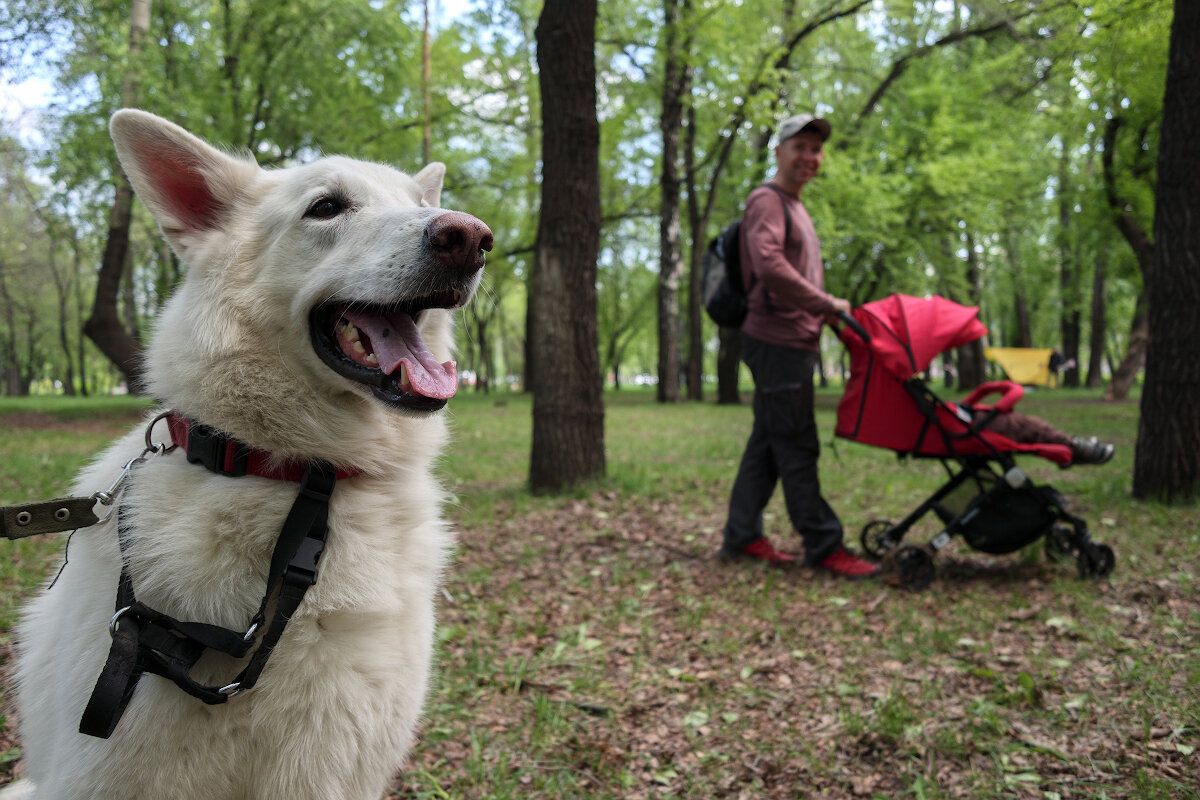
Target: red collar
{"x": 225, "y": 455}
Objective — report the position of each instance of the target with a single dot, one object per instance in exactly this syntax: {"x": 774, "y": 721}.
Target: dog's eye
{"x": 326, "y": 208}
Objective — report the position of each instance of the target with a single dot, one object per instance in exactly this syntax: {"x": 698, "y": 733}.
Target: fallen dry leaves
{"x": 674, "y": 674}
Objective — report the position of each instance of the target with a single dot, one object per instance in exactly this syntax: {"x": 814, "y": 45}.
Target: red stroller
{"x": 988, "y": 499}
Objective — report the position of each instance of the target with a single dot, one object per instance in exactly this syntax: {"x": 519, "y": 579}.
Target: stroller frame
{"x": 1006, "y": 511}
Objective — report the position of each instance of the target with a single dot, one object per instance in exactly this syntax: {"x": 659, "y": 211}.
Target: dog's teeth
{"x": 357, "y": 347}
{"x": 350, "y": 332}
{"x": 370, "y": 359}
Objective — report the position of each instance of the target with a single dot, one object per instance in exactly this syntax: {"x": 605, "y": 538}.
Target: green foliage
{"x": 957, "y": 129}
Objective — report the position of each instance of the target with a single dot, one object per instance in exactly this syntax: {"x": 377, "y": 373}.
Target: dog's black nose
{"x": 459, "y": 241}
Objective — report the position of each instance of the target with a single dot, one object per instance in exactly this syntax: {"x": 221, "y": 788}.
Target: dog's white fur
{"x": 334, "y": 713}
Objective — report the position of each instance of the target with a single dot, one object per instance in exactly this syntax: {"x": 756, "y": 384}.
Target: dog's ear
{"x": 188, "y": 185}
{"x": 430, "y": 180}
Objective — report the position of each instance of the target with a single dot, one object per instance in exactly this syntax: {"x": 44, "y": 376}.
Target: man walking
{"x": 782, "y": 268}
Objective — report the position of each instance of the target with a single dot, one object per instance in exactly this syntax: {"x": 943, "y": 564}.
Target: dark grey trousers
{"x": 783, "y": 446}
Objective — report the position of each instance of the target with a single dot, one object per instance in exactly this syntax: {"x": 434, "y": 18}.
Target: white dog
{"x": 315, "y": 300}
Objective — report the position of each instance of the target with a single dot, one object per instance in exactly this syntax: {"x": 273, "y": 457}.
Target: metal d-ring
{"x": 113, "y": 623}
{"x": 250, "y": 632}
{"x": 157, "y": 447}
{"x": 231, "y": 690}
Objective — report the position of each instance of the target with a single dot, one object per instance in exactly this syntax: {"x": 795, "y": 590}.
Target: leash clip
{"x": 109, "y": 496}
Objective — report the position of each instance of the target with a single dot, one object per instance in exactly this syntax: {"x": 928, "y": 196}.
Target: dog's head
{"x": 315, "y": 313}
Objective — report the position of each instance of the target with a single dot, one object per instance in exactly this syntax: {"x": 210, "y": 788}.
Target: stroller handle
{"x": 853, "y": 325}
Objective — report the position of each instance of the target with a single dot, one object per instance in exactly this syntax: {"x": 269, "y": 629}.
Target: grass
{"x": 591, "y": 646}
{"x": 44, "y": 441}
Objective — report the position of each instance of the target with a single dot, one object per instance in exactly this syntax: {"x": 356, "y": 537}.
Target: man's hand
{"x": 840, "y": 306}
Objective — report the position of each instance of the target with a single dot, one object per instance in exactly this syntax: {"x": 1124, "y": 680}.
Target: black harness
{"x": 148, "y": 641}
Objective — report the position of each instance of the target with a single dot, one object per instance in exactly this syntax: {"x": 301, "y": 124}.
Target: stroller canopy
{"x": 907, "y": 332}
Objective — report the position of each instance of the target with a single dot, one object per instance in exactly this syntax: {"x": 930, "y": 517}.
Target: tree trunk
{"x": 1127, "y": 371}
{"x": 1068, "y": 276}
{"x": 1167, "y": 462}
{"x": 568, "y": 412}
{"x": 533, "y": 186}
{"x": 104, "y": 327}
{"x": 675, "y": 88}
{"x": 62, "y": 288}
{"x": 80, "y": 306}
{"x": 697, "y": 222}
{"x": 1021, "y": 334}
{"x": 695, "y": 326}
{"x": 970, "y": 356}
{"x": 10, "y": 359}
{"x": 969, "y": 367}
{"x": 1143, "y": 249}
{"x": 483, "y": 362}
{"x": 1095, "y": 373}
{"x": 1024, "y": 334}
{"x": 729, "y": 358}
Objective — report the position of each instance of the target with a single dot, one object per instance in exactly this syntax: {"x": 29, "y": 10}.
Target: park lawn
{"x": 590, "y": 645}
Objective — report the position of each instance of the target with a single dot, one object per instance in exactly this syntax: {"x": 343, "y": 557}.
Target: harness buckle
{"x": 210, "y": 448}
{"x": 302, "y": 569}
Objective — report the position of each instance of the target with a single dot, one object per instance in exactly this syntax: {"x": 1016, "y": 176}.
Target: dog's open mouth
{"x": 380, "y": 346}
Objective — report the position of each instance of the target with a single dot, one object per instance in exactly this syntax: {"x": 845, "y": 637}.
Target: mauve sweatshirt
{"x": 788, "y": 302}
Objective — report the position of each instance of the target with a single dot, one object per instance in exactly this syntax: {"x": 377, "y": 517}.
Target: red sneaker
{"x": 844, "y": 563}
{"x": 763, "y": 551}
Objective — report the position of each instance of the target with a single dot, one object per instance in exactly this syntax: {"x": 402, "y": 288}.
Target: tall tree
{"x": 1099, "y": 322}
{"x": 568, "y": 413}
{"x": 1143, "y": 249}
{"x": 1069, "y": 271}
{"x": 104, "y": 326}
{"x": 1167, "y": 463}
{"x": 1121, "y": 61}
{"x": 676, "y": 85}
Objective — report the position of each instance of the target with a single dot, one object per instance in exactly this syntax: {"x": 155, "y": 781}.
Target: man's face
{"x": 799, "y": 158}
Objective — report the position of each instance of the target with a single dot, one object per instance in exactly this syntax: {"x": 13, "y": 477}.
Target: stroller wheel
{"x": 912, "y": 566}
{"x": 1058, "y": 544}
{"x": 877, "y": 539}
{"x": 1096, "y": 561}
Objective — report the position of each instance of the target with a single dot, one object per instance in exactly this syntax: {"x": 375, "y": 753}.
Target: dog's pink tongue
{"x": 396, "y": 340}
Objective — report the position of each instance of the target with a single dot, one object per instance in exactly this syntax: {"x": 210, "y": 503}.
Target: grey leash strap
{"x": 71, "y": 513}
{"x": 47, "y": 516}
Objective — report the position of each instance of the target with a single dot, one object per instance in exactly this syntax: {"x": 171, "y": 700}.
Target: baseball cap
{"x": 793, "y": 125}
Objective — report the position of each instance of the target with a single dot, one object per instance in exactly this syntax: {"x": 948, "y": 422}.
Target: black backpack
{"x": 725, "y": 298}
